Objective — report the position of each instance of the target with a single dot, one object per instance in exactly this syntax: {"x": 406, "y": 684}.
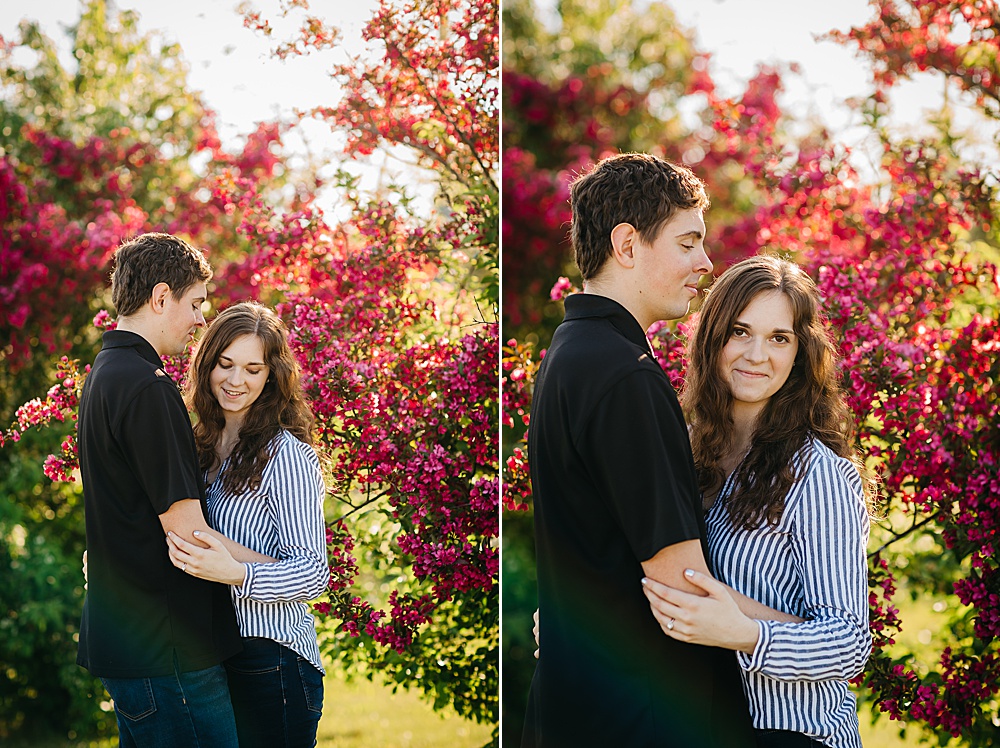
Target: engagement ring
{"x": 670, "y": 625}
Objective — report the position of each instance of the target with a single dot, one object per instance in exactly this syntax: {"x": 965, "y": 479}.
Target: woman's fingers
{"x": 713, "y": 587}
{"x": 180, "y": 551}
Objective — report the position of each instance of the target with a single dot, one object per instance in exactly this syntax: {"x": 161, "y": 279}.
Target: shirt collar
{"x": 125, "y": 339}
{"x": 589, "y": 305}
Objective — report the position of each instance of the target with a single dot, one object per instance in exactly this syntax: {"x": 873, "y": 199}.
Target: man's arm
{"x": 185, "y": 517}
{"x": 668, "y": 566}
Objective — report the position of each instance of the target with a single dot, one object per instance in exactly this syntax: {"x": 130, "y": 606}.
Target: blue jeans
{"x": 277, "y": 696}
{"x": 784, "y": 739}
{"x": 182, "y": 710}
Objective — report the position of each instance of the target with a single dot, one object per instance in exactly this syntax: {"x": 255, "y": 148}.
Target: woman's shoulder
{"x": 814, "y": 454}
{"x": 821, "y": 465}
{"x": 288, "y": 449}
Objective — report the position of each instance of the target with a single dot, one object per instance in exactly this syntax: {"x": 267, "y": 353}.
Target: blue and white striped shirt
{"x": 283, "y": 519}
{"x": 812, "y": 565}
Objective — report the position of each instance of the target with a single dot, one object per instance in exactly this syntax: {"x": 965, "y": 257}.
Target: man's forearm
{"x": 241, "y": 553}
{"x": 759, "y": 611}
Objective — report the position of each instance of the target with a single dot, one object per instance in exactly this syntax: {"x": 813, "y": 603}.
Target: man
{"x": 615, "y": 492}
{"x": 153, "y": 634}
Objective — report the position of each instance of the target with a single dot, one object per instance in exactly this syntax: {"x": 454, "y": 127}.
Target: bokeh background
{"x": 339, "y": 162}
{"x": 861, "y": 139}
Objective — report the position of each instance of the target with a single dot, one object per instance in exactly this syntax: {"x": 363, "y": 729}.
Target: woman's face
{"x": 239, "y": 376}
{"x": 760, "y": 352}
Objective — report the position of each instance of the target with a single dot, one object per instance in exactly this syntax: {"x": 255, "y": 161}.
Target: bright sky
{"x": 241, "y": 81}
{"x": 232, "y": 65}
{"x": 743, "y": 34}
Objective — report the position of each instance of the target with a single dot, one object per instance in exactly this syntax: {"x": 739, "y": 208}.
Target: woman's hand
{"x": 714, "y": 621}
{"x": 85, "y": 580}
{"x": 215, "y": 563}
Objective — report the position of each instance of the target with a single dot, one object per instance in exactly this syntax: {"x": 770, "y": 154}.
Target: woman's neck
{"x": 744, "y": 421}
{"x": 230, "y": 435}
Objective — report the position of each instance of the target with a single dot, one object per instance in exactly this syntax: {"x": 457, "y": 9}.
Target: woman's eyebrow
{"x": 251, "y": 363}
{"x": 747, "y": 325}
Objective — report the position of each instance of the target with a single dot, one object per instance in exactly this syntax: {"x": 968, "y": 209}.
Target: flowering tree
{"x": 393, "y": 320}
{"x": 906, "y": 269}
{"x": 614, "y": 77}
{"x": 90, "y": 154}
{"x": 406, "y": 412}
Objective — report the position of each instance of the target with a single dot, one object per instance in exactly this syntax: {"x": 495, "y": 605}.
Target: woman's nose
{"x": 755, "y": 351}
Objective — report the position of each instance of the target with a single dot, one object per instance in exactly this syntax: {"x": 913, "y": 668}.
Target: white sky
{"x": 241, "y": 81}
{"x": 233, "y": 67}
{"x": 743, "y": 34}
{"x": 230, "y": 64}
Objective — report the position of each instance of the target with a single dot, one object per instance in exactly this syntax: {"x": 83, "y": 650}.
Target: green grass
{"x": 363, "y": 714}
{"x": 355, "y": 715}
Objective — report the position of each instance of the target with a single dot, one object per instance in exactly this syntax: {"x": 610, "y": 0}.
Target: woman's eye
{"x": 739, "y": 333}
{"x": 225, "y": 366}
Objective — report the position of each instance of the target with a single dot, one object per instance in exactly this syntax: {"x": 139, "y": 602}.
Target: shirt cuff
{"x": 754, "y": 661}
{"x": 243, "y": 590}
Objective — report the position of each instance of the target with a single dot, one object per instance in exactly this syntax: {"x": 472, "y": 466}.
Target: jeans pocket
{"x": 259, "y": 656}
{"x": 312, "y": 685}
{"x": 133, "y": 697}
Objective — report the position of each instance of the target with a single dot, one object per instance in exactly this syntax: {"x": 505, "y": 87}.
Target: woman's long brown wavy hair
{"x": 280, "y": 406}
{"x": 811, "y": 401}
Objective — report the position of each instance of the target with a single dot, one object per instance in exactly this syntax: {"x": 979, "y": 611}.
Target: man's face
{"x": 182, "y": 318}
{"x": 670, "y": 267}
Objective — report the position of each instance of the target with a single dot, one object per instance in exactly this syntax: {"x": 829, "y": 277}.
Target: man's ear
{"x": 624, "y": 238}
{"x": 158, "y": 298}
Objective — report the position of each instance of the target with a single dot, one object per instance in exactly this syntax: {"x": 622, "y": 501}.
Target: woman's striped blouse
{"x": 283, "y": 519}
{"x": 813, "y": 565}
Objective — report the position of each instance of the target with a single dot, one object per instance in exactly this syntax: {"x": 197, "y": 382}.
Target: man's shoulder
{"x": 125, "y": 366}
{"x": 120, "y": 375}
{"x": 595, "y": 348}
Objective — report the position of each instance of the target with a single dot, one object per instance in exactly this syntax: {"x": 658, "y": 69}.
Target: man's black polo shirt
{"x": 137, "y": 457}
{"x": 613, "y": 483}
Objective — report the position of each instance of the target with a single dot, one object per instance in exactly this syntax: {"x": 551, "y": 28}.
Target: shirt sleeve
{"x": 155, "y": 435}
{"x": 829, "y": 538}
{"x": 636, "y": 449}
{"x": 295, "y": 487}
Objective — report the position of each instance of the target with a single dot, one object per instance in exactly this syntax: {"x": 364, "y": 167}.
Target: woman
{"x": 265, "y": 490}
{"x": 787, "y": 517}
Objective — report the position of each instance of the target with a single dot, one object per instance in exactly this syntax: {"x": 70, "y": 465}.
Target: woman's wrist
{"x": 750, "y": 636}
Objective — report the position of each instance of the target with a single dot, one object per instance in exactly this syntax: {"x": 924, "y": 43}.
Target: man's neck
{"x": 615, "y": 293}
{"x": 139, "y": 327}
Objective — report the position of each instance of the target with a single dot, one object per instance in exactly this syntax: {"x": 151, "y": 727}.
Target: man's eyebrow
{"x": 694, "y": 233}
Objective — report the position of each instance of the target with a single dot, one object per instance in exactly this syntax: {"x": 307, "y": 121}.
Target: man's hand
{"x": 714, "y": 620}
{"x": 85, "y": 580}
{"x": 534, "y": 630}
